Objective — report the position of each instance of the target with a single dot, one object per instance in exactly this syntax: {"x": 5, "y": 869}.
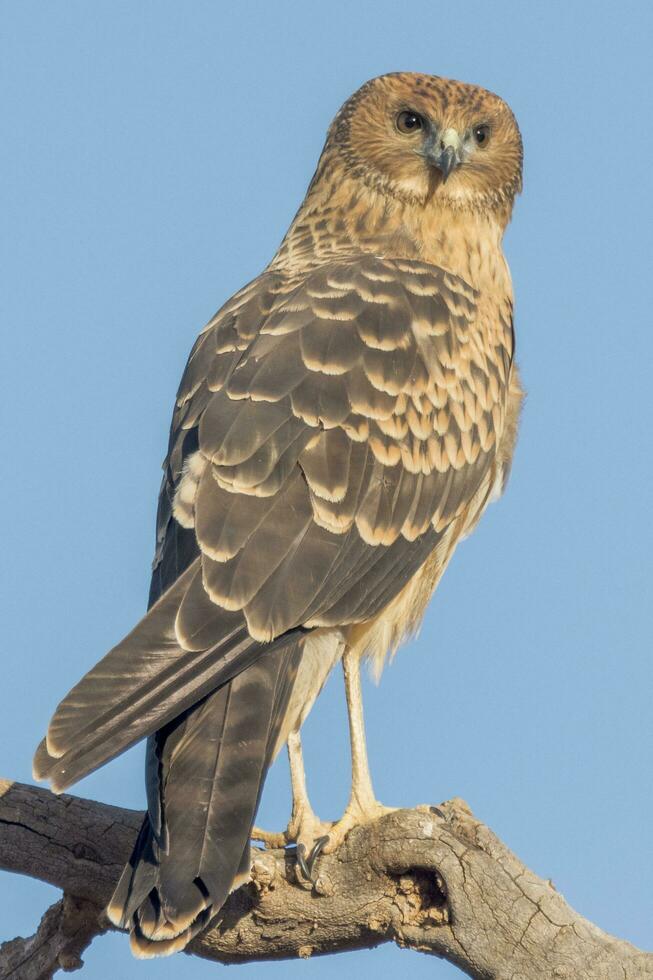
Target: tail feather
{"x": 212, "y": 765}
{"x": 129, "y": 671}
{"x": 145, "y": 948}
{"x": 138, "y": 687}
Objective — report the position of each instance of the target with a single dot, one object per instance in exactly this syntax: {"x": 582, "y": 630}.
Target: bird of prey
{"x": 341, "y": 425}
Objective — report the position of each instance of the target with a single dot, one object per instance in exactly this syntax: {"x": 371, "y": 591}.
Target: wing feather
{"x": 327, "y": 431}
{"x": 367, "y": 407}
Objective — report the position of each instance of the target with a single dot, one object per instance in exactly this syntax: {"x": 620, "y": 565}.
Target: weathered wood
{"x": 63, "y": 934}
{"x": 433, "y": 879}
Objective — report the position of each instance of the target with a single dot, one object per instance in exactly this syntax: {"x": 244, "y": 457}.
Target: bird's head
{"x": 422, "y": 138}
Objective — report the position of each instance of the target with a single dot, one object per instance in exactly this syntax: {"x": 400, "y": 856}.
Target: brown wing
{"x": 326, "y": 432}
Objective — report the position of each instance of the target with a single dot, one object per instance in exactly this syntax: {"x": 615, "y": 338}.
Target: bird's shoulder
{"x": 340, "y": 415}
{"x": 399, "y": 325}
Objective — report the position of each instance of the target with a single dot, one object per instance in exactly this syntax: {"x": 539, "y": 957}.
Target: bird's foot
{"x": 270, "y": 838}
{"x": 309, "y": 834}
{"x": 313, "y": 837}
{"x": 356, "y": 814}
{"x": 306, "y": 831}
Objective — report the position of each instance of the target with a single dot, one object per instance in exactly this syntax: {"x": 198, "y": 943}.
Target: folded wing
{"x": 326, "y": 432}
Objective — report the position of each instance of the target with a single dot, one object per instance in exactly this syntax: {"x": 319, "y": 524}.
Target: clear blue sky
{"x": 152, "y": 157}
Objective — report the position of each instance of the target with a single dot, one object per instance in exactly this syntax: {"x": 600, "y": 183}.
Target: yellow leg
{"x": 304, "y": 826}
{"x": 363, "y": 806}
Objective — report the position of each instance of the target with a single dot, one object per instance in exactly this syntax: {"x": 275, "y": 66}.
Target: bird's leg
{"x": 362, "y": 793}
{"x": 363, "y": 806}
{"x": 302, "y": 811}
{"x": 304, "y": 827}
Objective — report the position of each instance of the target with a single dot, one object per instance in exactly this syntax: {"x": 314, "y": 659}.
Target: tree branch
{"x": 63, "y": 934}
{"x": 433, "y": 879}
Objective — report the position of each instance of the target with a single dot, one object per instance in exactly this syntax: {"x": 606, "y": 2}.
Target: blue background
{"x": 152, "y": 157}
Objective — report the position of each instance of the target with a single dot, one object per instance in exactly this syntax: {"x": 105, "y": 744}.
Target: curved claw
{"x": 301, "y": 861}
{"x": 316, "y": 850}
{"x": 307, "y": 862}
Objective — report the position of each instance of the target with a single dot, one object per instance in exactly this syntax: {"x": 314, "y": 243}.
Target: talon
{"x": 316, "y": 850}
{"x": 301, "y": 861}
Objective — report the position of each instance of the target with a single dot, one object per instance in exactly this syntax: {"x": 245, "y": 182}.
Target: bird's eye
{"x": 409, "y": 121}
{"x": 482, "y": 134}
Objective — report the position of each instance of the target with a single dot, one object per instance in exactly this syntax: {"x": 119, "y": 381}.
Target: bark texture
{"x": 433, "y": 879}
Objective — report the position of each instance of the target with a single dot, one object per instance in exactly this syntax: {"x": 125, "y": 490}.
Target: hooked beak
{"x": 446, "y": 154}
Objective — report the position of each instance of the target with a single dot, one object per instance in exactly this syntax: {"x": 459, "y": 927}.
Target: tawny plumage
{"x": 341, "y": 424}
